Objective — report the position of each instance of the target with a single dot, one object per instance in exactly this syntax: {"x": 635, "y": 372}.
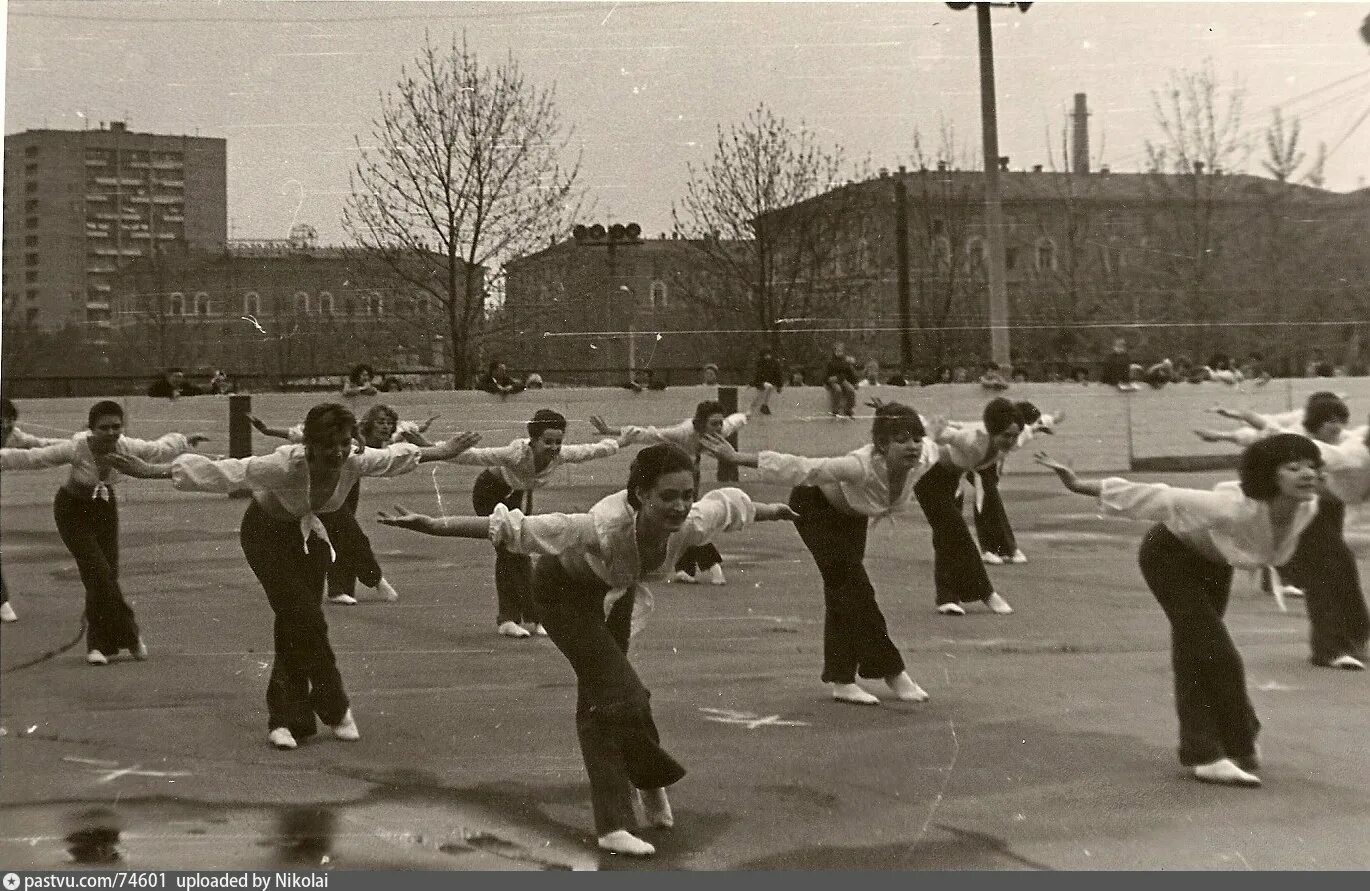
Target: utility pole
{"x": 901, "y": 254}
{"x": 994, "y": 212}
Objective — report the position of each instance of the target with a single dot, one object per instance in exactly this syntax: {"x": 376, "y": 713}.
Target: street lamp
{"x": 617, "y": 235}
{"x": 994, "y": 212}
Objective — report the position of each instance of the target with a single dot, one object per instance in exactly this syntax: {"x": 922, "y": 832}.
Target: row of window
{"x": 323, "y": 303}
{"x": 657, "y": 291}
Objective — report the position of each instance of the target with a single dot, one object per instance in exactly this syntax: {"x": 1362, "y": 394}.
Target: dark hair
{"x": 1319, "y": 411}
{"x": 1263, "y": 458}
{"x": 102, "y": 408}
{"x": 545, "y": 419}
{"x": 494, "y": 363}
{"x": 327, "y": 418}
{"x": 1028, "y": 413}
{"x": 651, "y": 464}
{"x": 373, "y": 414}
{"x": 10, "y": 410}
{"x": 702, "y": 412}
{"x": 358, "y": 370}
{"x": 999, "y": 415}
{"x": 892, "y": 418}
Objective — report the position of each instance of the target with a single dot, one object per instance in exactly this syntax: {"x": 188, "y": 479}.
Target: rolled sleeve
{"x": 392, "y": 460}
{"x": 1160, "y": 502}
{"x": 496, "y": 456}
{"x": 680, "y": 435}
{"x": 163, "y": 448}
{"x": 721, "y": 510}
{"x": 34, "y": 459}
{"x": 198, "y": 473}
{"x": 576, "y": 454}
{"x": 544, "y": 534}
{"x": 734, "y": 422}
{"x": 20, "y": 439}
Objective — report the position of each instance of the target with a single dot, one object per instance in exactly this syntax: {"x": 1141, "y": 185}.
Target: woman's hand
{"x": 423, "y": 428}
{"x": 604, "y": 429}
{"x": 784, "y": 512}
{"x": 257, "y": 423}
{"x": 719, "y": 447}
{"x": 402, "y": 518}
{"x": 1064, "y": 471}
{"x": 130, "y": 465}
{"x": 196, "y": 438}
{"x": 455, "y": 446}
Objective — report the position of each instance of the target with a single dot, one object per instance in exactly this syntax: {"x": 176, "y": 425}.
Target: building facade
{"x": 79, "y": 204}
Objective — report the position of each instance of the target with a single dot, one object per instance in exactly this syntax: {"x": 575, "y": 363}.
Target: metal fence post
{"x": 239, "y": 432}
{"x": 727, "y": 397}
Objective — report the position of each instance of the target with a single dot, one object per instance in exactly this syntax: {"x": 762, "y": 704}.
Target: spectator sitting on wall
{"x": 533, "y": 381}
{"x": 1160, "y": 374}
{"x": 390, "y": 384}
{"x": 797, "y": 377}
{"x": 359, "y": 382}
{"x": 1117, "y": 367}
{"x": 993, "y": 378}
{"x": 654, "y": 382}
{"x": 710, "y": 378}
{"x": 870, "y": 375}
{"x": 498, "y": 381}
{"x": 959, "y": 374}
{"x": 1019, "y": 376}
{"x": 839, "y": 378}
{"x": 939, "y": 375}
{"x": 221, "y": 384}
{"x": 1080, "y": 374}
{"x": 768, "y": 378}
{"x": 900, "y": 378}
{"x": 172, "y": 385}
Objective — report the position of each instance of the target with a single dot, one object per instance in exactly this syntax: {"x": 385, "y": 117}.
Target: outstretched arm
{"x": 1068, "y": 476}
{"x": 448, "y": 527}
{"x": 723, "y": 450}
{"x": 1240, "y": 414}
{"x": 766, "y": 513}
{"x": 604, "y": 429}
{"x": 449, "y": 449}
{"x": 261, "y": 427}
{"x": 131, "y": 465}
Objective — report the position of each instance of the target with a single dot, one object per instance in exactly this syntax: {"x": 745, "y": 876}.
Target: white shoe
{"x": 1348, "y": 662}
{"x": 344, "y": 600}
{"x": 951, "y": 609}
{"x": 1018, "y": 557}
{"x": 657, "y": 808}
{"x": 387, "y": 591}
{"x": 683, "y": 577}
{"x": 1291, "y": 591}
{"x": 346, "y": 730}
{"x": 621, "y": 841}
{"x": 714, "y": 575}
{"x": 998, "y": 605}
{"x": 854, "y": 694}
{"x": 1225, "y": 771}
{"x": 282, "y": 738}
{"x": 139, "y": 652}
{"x": 7, "y": 613}
{"x": 991, "y": 558}
{"x": 539, "y": 630}
{"x": 95, "y": 657}
{"x": 905, "y": 689}
{"x": 513, "y": 629}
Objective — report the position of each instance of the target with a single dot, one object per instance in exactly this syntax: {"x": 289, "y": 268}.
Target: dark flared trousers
{"x": 513, "y": 572}
{"x": 1324, "y": 567}
{"x": 304, "y": 678}
{"x": 89, "y": 527}
{"x": 856, "y": 640}
{"x": 355, "y": 561}
{"x": 618, "y": 738}
{"x": 957, "y": 571}
{"x": 1216, "y": 717}
{"x": 992, "y": 527}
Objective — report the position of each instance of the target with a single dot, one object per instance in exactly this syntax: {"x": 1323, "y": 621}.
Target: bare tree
{"x": 747, "y": 211}
{"x": 464, "y": 171}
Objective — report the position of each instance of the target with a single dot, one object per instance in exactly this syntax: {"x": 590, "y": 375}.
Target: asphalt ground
{"x": 1048, "y": 743}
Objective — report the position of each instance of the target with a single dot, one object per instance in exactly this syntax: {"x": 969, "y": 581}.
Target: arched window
{"x": 941, "y": 250}
{"x": 201, "y": 304}
{"x": 977, "y": 253}
{"x": 367, "y": 300}
{"x": 1046, "y": 255}
{"x": 325, "y": 303}
{"x": 659, "y": 295}
{"x": 252, "y": 304}
{"x": 176, "y": 304}
{"x": 301, "y": 303}
{"x": 377, "y": 303}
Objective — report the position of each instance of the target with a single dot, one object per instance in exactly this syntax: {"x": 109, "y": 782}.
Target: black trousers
{"x": 513, "y": 572}
{"x": 89, "y": 527}
{"x": 992, "y": 527}
{"x": 1216, "y": 717}
{"x": 957, "y": 571}
{"x": 1325, "y": 568}
{"x": 855, "y": 638}
{"x": 618, "y": 738}
{"x": 304, "y": 678}
{"x": 355, "y": 561}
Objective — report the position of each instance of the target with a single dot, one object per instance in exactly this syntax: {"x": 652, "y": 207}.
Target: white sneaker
{"x": 905, "y": 688}
{"x": 282, "y": 738}
{"x": 1225, "y": 771}
{"x": 513, "y": 629}
{"x": 344, "y": 600}
{"x": 539, "y": 630}
{"x": 1348, "y": 662}
{"x": 854, "y": 694}
{"x": 621, "y": 841}
{"x": 95, "y": 657}
{"x": 951, "y": 609}
{"x": 998, "y": 605}
{"x": 1018, "y": 557}
{"x": 991, "y": 558}
{"x": 387, "y": 591}
{"x": 1291, "y": 591}
{"x": 657, "y": 808}
{"x": 684, "y": 578}
{"x": 714, "y": 575}
{"x": 7, "y": 613}
{"x": 139, "y": 652}
{"x": 346, "y": 730}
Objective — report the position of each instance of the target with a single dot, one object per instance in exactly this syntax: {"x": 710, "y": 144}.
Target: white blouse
{"x": 1222, "y": 524}
{"x": 280, "y": 480}
{"x": 87, "y": 470}
{"x": 682, "y": 434}
{"x": 857, "y": 482}
{"x": 1345, "y": 466}
{"x": 296, "y": 433}
{"x": 603, "y": 541}
{"x": 515, "y": 460}
{"x": 19, "y": 439}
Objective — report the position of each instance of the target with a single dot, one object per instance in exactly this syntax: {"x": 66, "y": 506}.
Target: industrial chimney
{"x": 1079, "y": 149}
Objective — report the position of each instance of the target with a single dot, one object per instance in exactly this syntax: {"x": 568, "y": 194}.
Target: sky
{"x": 645, "y": 85}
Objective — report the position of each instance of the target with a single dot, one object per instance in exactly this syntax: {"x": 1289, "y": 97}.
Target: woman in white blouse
{"x": 837, "y": 499}
{"x": 1187, "y": 560}
{"x": 511, "y": 474}
{"x": 703, "y": 563}
{"x": 11, "y": 437}
{"x": 297, "y": 492}
{"x": 87, "y": 517}
{"x": 590, "y": 586}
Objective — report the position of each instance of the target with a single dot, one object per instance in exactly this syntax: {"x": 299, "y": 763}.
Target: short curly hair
{"x": 1261, "y": 462}
{"x": 328, "y": 418}
{"x": 892, "y": 418}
